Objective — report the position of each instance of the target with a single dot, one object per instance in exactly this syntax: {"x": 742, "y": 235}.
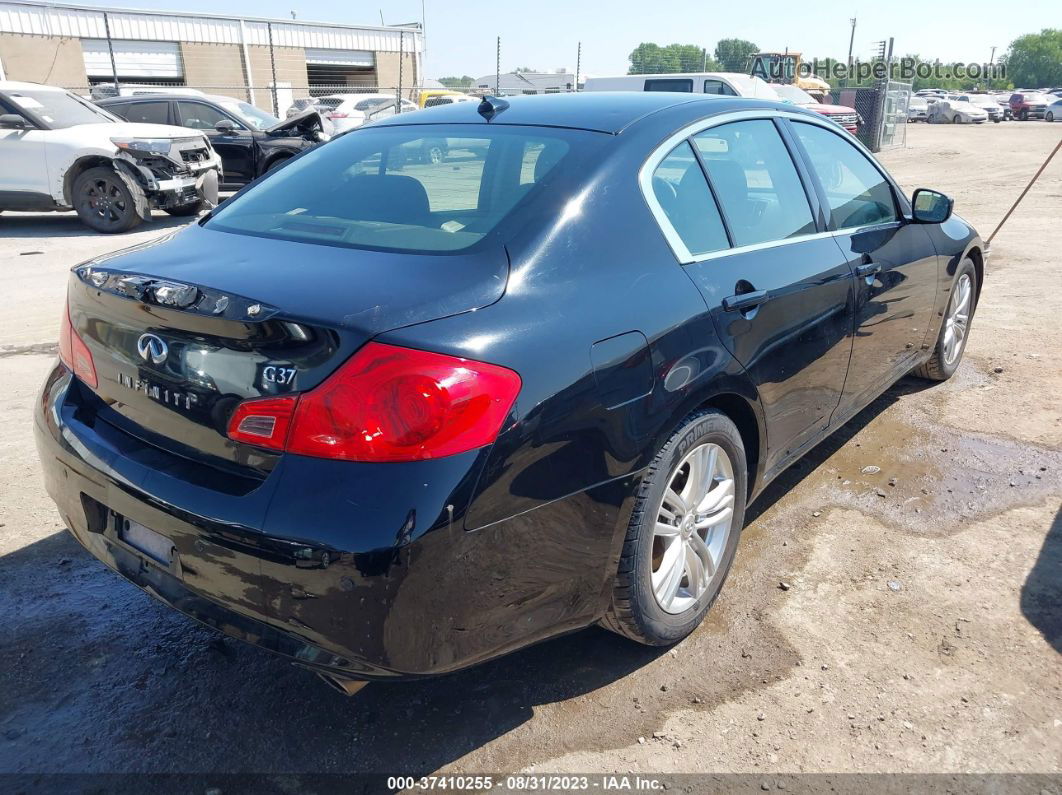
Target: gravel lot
{"x": 920, "y": 628}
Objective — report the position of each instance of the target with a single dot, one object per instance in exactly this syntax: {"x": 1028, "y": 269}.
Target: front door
{"x": 23, "y": 158}
{"x": 895, "y": 262}
{"x": 236, "y": 148}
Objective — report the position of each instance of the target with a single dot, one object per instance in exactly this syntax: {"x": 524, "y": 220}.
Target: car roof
{"x": 599, "y": 111}
{"x": 154, "y": 97}
{"x": 15, "y": 85}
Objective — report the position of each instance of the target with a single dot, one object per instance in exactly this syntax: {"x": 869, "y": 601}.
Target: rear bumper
{"x": 356, "y": 570}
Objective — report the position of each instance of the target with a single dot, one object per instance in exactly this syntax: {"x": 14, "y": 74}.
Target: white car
{"x": 953, "y": 111}
{"x": 353, "y": 110}
{"x": 1054, "y": 111}
{"x": 61, "y": 152}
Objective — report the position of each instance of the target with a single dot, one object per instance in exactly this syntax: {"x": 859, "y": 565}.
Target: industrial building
{"x": 264, "y": 61}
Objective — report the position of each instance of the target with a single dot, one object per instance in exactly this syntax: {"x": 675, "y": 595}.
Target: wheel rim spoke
{"x": 692, "y": 527}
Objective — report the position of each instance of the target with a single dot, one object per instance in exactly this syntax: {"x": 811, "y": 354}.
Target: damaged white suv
{"x": 58, "y": 151}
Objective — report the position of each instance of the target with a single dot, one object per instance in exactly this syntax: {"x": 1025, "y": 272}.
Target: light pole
{"x": 851, "y": 41}
{"x": 991, "y": 60}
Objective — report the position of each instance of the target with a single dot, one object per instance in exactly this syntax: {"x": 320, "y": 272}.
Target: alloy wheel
{"x": 958, "y": 319}
{"x": 693, "y": 524}
{"x": 104, "y": 199}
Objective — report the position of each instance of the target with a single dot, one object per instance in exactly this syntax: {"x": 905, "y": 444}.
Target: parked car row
{"x": 59, "y": 151}
{"x": 1023, "y": 105}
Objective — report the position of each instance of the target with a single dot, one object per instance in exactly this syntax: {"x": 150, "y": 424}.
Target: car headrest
{"x": 394, "y": 198}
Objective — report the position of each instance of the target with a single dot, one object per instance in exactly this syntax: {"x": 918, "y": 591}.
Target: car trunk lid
{"x": 180, "y": 332}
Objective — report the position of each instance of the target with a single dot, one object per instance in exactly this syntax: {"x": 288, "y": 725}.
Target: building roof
{"x": 87, "y": 22}
{"x": 599, "y": 111}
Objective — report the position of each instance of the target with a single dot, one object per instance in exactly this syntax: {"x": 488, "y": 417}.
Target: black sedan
{"x": 249, "y": 140}
{"x": 391, "y": 418}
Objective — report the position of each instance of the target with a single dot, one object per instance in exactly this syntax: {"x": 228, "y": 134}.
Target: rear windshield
{"x": 419, "y": 188}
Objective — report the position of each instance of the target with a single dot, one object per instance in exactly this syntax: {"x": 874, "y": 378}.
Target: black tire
{"x": 186, "y": 210}
{"x": 277, "y": 164}
{"x": 634, "y": 611}
{"x": 1023, "y": 115}
{"x": 107, "y": 203}
{"x": 938, "y": 368}
{"x": 1049, "y": 116}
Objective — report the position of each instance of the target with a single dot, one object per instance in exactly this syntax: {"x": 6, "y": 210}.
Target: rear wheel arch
{"x": 741, "y": 412}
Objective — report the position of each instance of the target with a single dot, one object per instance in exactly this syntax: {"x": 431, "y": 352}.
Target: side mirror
{"x": 12, "y": 121}
{"x": 225, "y": 126}
{"x": 931, "y": 207}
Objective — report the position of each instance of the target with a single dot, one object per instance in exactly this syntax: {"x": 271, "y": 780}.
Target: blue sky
{"x": 543, "y": 34}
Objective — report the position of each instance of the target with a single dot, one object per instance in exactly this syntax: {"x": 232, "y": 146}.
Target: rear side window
{"x": 149, "y": 112}
{"x": 718, "y": 87}
{"x": 756, "y": 182}
{"x": 857, "y": 192}
{"x": 669, "y": 84}
{"x": 683, "y": 194}
{"x": 421, "y": 188}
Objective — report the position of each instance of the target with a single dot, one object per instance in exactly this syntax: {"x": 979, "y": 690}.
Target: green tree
{"x": 457, "y": 82}
{"x": 733, "y": 54}
{"x": 650, "y": 58}
{"x": 1035, "y": 59}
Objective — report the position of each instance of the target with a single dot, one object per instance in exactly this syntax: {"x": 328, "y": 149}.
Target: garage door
{"x": 322, "y": 57}
{"x": 139, "y": 59}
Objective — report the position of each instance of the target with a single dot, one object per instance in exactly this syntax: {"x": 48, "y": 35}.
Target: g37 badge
{"x": 277, "y": 374}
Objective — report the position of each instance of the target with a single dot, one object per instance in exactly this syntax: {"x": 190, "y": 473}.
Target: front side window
{"x": 857, "y": 192}
{"x": 683, "y": 194}
{"x": 669, "y": 84}
{"x": 718, "y": 87}
{"x": 756, "y": 182}
{"x": 421, "y": 188}
{"x": 199, "y": 116}
{"x": 255, "y": 118}
{"x": 148, "y": 112}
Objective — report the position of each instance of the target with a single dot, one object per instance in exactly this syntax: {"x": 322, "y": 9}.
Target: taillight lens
{"x": 74, "y": 353}
{"x": 393, "y": 404}
{"x": 337, "y": 115}
{"x": 263, "y": 422}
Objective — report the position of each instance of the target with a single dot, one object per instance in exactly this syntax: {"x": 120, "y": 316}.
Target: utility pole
{"x": 401, "y": 58}
{"x": 704, "y": 65}
{"x": 110, "y": 49}
{"x": 273, "y": 66}
{"x": 497, "y": 68}
{"x": 578, "y": 63}
{"x": 991, "y": 61}
{"x": 851, "y": 41}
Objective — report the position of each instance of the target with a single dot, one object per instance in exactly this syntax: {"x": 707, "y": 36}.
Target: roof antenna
{"x": 491, "y": 107}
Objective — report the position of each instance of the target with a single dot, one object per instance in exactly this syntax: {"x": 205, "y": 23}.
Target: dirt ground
{"x": 919, "y": 628}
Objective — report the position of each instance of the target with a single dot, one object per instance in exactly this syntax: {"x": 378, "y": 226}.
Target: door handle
{"x": 745, "y": 301}
{"x": 868, "y": 269}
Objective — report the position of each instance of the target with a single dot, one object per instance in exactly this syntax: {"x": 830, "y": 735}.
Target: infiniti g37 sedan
{"x": 391, "y": 417}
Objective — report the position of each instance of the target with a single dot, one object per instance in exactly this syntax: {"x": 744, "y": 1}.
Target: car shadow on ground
{"x": 1041, "y": 595}
{"x": 49, "y": 225}
{"x": 95, "y": 676}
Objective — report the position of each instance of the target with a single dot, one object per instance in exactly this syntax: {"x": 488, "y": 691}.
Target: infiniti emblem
{"x": 152, "y": 348}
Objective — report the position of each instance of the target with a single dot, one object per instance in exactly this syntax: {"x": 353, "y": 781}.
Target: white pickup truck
{"x": 59, "y": 151}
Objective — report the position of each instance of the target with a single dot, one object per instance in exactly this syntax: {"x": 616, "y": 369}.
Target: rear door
{"x": 779, "y": 292}
{"x": 895, "y": 261}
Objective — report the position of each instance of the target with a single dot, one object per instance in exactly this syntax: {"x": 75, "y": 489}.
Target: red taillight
{"x": 394, "y": 404}
{"x": 264, "y": 421}
{"x": 337, "y": 115}
{"x": 74, "y": 353}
